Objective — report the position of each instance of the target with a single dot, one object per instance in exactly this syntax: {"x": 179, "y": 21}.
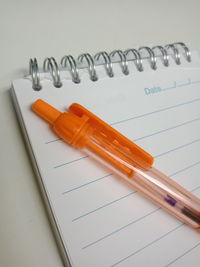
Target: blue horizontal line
{"x": 143, "y": 115}
{"x": 186, "y": 252}
{"x": 157, "y": 111}
{"x": 195, "y": 189}
{"x": 184, "y": 84}
{"x": 170, "y": 87}
{"x": 149, "y": 244}
{"x": 127, "y": 225}
{"x": 72, "y": 161}
{"x": 172, "y": 150}
{"x": 116, "y": 231}
{"x": 167, "y": 129}
{"x": 195, "y": 82}
{"x": 103, "y": 206}
{"x": 52, "y": 141}
{"x": 176, "y": 148}
{"x": 118, "y": 199}
{"x": 81, "y": 186}
{"x": 143, "y": 137}
{"x": 186, "y": 168}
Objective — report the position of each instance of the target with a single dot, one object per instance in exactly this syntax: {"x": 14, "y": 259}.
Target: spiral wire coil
{"x": 86, "y": 61}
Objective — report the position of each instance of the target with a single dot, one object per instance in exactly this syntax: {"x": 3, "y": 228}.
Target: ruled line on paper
{"x": 156, "y": 111}
{"x": 119, "y": 229}
{"x": 195, "y": 189}
{"x": 195, "y": 82}
{"x": 83, "y": 185}
{"x": 128, "y": 195}
{"x": 103, "y": 206}
{"x": 184, "y": 84}
{"x": 149, "y": 244}
{"x": 182, "y": 255}
{"x": 171, "y": 87}
{"x": 69, "y": 162}
{"x": 186, "y": 168}
{"x": 134, "y": 221}
{"x": 140, "y": 138}
{"x": 129, "y": 224}
{"x": 149, "y": 91}
{"x": 156, "y": 156}
{"x": 177, "y": 148}
{"x": 167, "y": 129}
{"x": 52, "y": 141}
{"x": 175, "y": 84}
{"x": 142, "y": 115}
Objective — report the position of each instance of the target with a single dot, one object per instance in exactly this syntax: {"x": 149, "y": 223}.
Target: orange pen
{"x": 83, "y": 130}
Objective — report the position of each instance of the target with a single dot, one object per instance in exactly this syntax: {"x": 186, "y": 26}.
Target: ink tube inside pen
{"x": 150, "y": 182}
{"x": 83, "y": 130}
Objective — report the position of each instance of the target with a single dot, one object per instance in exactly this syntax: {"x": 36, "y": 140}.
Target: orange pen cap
{"x": 78, "y": 126}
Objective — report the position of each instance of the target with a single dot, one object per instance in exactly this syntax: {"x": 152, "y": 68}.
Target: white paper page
{"x": 102, "y": 221}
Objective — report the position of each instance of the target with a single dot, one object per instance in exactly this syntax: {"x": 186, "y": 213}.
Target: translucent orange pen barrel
{"x": 83, "y": 130}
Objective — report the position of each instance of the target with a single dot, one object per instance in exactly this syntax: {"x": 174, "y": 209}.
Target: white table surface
{"x": 54, "y": 28}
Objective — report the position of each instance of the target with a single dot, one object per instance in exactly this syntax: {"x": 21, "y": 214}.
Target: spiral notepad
{"x": 151, "y": 95}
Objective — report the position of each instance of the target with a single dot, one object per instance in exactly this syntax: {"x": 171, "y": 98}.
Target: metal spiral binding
{"x": 151, "y": 56}
{"x": 50, "y": 65}
{"x": 70, "y": 61}
{"x": 137, "y": 58}
{"x": 107, "y": 62}
{"x": 35, "y": 75}
{"x": 175, "y": 51}
{"x": 91, "y": 66}
{"x": 86, "y": 61}
{"x": 163, "y": 51}
{"x": 123, "y": 60}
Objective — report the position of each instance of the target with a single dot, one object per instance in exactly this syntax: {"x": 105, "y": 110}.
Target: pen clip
{"x": 121, "y": 144}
